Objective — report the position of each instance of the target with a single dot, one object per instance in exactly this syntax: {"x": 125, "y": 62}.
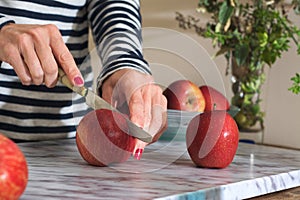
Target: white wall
{"x": 283, "y": 108}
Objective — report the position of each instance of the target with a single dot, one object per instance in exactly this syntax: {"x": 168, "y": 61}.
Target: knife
{"x": 96, "y": 102}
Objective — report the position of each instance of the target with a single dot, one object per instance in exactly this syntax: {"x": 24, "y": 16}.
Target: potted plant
{"x": 251, "y": 35}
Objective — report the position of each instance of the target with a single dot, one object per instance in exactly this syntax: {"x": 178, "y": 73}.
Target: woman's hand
{"x": 35, "y": 52}
{"x": 144, "y": 99}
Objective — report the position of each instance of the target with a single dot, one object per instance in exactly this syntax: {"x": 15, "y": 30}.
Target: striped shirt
{"x": 37, "y": 112}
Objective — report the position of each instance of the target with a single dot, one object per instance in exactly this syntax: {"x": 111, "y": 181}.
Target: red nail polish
{"x": 138, "y": 154}
{"x": 78, "y": 80}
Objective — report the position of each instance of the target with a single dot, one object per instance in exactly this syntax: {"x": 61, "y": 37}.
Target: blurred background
{"x": 174, "y": 53}
{"x": 282, "y": 121}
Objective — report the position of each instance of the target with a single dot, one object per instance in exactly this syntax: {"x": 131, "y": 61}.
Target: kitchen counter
{"x": 57, "y": 171}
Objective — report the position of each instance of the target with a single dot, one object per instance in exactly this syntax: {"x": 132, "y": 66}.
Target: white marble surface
{"x": 56, "y": 171}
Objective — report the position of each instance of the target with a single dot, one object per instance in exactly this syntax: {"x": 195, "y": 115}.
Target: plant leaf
{"x": 225, "y": 13}
{"x": 218, "y": 28}
{"x": 296, "y": 84}
{"x": 227, "y": 25}
{"x": 241, "y": 53}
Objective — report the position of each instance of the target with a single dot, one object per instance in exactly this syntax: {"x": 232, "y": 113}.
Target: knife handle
{"x": 62, "y": 77}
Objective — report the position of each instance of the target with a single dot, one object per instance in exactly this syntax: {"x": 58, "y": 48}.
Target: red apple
{"x": 102, "y": 138}
{"x": 13, "y": 170}
{"x": 212, "y": 139}
{"x": 184, "y": 95}
{"x": 214, "y": 100}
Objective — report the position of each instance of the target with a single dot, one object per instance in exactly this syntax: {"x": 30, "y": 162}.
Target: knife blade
{"x": 96, "y": 102}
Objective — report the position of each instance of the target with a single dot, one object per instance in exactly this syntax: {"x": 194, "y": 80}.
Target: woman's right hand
{"x": 35, "y": 52}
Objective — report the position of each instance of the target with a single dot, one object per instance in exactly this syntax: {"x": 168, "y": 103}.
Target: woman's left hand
{"x": 142, "y": 98}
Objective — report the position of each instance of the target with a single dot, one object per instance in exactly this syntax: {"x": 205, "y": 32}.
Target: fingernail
{"x": 138, "y": 154}
{"x": 78, "y": 81}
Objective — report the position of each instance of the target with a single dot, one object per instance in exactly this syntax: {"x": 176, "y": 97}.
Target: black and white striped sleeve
{"x": 5, "y": 20}
{"x": 116, "y": 27}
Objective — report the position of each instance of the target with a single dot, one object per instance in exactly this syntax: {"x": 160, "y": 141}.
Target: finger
{"x": 159, "y": 114}
{"x": 15, "y": 60}
{"x": 31, "y": 60}
{"x": 136, "y": 109}
{"x": 139, "y": 149}
{"x": 22, "y": 71}
{"x": 158, "y": 122}
{"x": 147, "y": 101}
{"x": 143, "y": 108}
{"x": 48, "y": 64}
{"x": 64, "y": 58}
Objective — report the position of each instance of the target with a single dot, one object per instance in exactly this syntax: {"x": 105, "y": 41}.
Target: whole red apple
{"x": 13, "y": 170}
{"x": 184, "y": 95}
{"x": 102, "y": 138}
{"x": 212, "y": 139}
{"x": 214, "y": 100}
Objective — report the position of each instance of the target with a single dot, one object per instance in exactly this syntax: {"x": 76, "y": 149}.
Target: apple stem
{"x": 215, "y": 106}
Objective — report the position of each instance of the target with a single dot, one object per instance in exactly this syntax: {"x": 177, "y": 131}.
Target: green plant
{"x": 251, "y": 35}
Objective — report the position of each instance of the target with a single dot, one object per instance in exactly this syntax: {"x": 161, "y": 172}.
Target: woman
{"x": 37, "y": 37}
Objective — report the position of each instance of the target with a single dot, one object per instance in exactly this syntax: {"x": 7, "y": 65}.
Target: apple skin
{"x": 214, "y": 100}
{"x": 212, "y": 139}
{"x": 184, "y": 95}
{"x": 13, "y": 170}
{"x": 102, "y": 138}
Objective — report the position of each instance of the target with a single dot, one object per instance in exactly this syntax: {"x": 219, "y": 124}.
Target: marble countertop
{"x": 57, "y": 171}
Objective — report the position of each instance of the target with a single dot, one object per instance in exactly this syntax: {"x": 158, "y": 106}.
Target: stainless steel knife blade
{"x": 96, "y": 102}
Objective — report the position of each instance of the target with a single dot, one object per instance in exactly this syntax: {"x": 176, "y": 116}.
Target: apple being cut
{"x": 13, "y": 170}
{"x": 212, "y": 139}
{"x": 102, "y": 138}
{"x": 214, "y": 100}
{"x": 184, "y": 95}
